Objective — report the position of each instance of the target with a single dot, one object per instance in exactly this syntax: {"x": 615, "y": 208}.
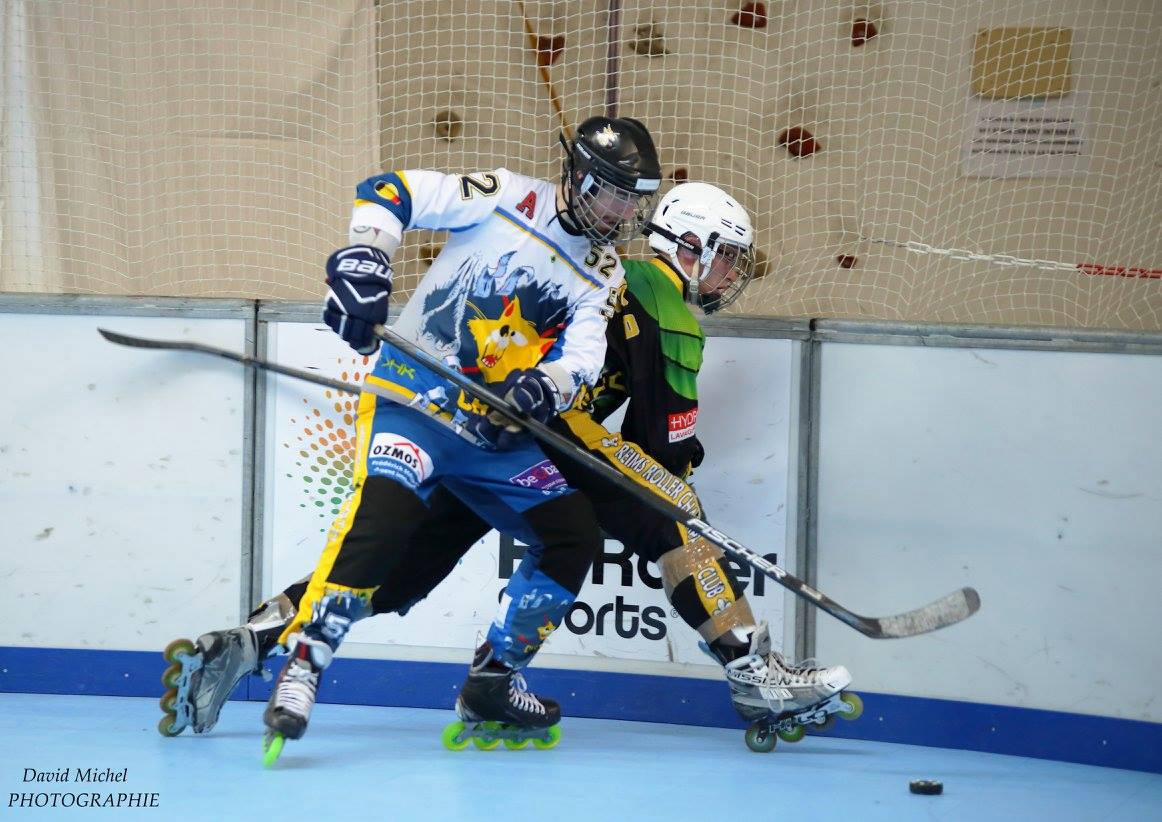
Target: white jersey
{"x": 510, "y": 289}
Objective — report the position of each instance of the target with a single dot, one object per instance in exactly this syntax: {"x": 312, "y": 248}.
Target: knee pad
{"x": 703, "y": 591}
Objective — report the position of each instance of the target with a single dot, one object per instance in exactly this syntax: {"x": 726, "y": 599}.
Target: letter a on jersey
{"x": 528, "y": 205}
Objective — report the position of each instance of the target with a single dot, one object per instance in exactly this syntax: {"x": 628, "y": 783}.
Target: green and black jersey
{"x": 654, "y": 352}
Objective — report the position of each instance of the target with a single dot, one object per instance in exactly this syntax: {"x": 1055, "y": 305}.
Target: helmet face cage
{"x": 704, "y": 221}
{"x": 725, "y": 257}
{"x": 602, "y": 210}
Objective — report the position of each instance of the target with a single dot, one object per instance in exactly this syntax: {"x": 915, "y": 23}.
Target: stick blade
{"x": 119, "y": 339}
{"x": 956, "y": 607}
{"x": 139, "y": 342}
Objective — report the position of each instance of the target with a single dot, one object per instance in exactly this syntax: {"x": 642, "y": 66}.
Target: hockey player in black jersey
{"x": 703, "y": 260}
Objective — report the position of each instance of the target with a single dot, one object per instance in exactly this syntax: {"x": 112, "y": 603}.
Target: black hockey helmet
{"x": 610, "y": 178}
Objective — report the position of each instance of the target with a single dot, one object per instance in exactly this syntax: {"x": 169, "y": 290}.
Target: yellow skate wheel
{"x": 453, "y": 737}
{"x": 759, "y": 740}
{"x": 271, "y": 748}
{"x": 168, "y": 701}
{"x": 179, "y": 646}
{"x": 549, "y": 740}
{"x": 171, "y": 676}
{"x": 165, "y": 725}
{"x": 492, "y": 740}
{"x": 854, "y": 706}
{"x": 516, "y": 744}
{"x": 793, "y": 735}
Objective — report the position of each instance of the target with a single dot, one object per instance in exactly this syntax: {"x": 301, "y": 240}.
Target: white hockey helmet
{"x": 724, "y": 247}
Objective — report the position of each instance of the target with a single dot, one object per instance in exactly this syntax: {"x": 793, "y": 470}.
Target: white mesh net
{"x": 968, "y": 161}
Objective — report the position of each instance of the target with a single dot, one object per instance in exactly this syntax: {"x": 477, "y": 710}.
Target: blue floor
{"x": 387, "y": 764}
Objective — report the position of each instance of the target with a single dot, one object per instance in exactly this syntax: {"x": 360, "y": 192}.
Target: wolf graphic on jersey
{"x": 486, "y": 302}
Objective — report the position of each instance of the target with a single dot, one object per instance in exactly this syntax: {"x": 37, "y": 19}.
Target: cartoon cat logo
{"x": 508, "y": 342}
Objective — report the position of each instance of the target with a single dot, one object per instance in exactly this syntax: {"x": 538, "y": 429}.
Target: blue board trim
{"x": 1089, "y": 740}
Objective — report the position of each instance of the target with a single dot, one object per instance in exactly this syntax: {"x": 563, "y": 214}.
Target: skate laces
{"x": 518, "y": 691}
{"x": 296, "y": 689}
{"x": 789, "y": 673}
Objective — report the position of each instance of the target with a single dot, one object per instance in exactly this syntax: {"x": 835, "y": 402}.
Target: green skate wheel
{"x": 759, "y": 741}
{"x": 171, "y": 676}
{"x": 516, "y": 744}
{"x": 271, "y": 748}
{"x": 178, "y": 646}
{"x": 165, "y": 725}
{"x": 793, "y": 735}
{"x": 168, "y": 702}
{"x": 453, "y": 737}
{"x": 854, "y": 706}
{"x": 491, "y": 739}
{"x": 824, "y": 726}
{"x": 549, "y": 740}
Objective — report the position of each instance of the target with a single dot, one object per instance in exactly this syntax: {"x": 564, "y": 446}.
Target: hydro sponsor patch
{"x": 543, "y": 476}
{"x": 395, "y": 456}
{"x": 681, "y": 426}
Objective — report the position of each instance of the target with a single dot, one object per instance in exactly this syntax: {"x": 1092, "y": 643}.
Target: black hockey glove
{"x": 697, "y": 452}
{"x": 528, "y": 390}
{"x": 494, "y": 431}
{"x": 531, "y": 391}
{"x": 358, "y": 288}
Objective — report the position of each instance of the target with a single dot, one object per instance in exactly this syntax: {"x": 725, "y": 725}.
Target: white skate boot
{"x": 783, "y": 700}
{"x": 289, "y": 709}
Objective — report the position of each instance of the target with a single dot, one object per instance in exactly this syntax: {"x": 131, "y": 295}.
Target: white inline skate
{"x": 781, "y": 700}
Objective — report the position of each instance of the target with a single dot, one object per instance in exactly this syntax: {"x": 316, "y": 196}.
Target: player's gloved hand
{"x": 358, "y": 288}
{"x": 531, "y": 391}
{"x": 697, "y": 452}
{"x": 494, "y": 430}
{"x": 528, "y": 390}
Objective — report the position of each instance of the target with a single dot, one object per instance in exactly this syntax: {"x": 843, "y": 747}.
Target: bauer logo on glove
{"x": 359, "y": 286}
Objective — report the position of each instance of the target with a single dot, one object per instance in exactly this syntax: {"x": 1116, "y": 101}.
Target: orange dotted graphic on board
{"x": 325, "y": 449}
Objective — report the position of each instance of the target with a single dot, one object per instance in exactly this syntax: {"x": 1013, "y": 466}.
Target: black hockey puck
{"x": 926, "y": 787}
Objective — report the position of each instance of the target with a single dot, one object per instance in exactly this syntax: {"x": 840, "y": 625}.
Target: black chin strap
{"x": 653, "y": 228}
{"x": 567, "y": 223}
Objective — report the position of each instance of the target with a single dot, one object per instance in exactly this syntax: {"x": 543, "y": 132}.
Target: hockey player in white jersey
{"x": 776, "y": 697}
{"x": 518, "y": 298}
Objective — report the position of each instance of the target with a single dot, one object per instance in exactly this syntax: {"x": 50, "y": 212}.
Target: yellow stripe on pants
{"x": 318, "y": 587}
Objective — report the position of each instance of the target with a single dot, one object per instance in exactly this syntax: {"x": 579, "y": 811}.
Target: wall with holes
{"x": 213, "y": 151}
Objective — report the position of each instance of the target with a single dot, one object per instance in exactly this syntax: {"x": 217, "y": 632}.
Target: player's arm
{"x": 663, "y": 388}
{"x": 387, "y": 205}
{"x": 612, "y": 388}
{"x": 359, "y": 276}
{"x": 576, "y": 359}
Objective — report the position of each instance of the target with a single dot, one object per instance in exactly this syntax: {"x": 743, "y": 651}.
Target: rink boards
{"x": 1027, "y": 466}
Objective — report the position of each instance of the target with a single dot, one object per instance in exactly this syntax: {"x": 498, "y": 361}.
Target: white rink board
{"x": 1035, "y": 477}
{"x": 120, "y": 482}
{"x": 743, "y": 484}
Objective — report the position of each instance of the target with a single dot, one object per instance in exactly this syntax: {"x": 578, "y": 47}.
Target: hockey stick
{"x": 946, "y": 611}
